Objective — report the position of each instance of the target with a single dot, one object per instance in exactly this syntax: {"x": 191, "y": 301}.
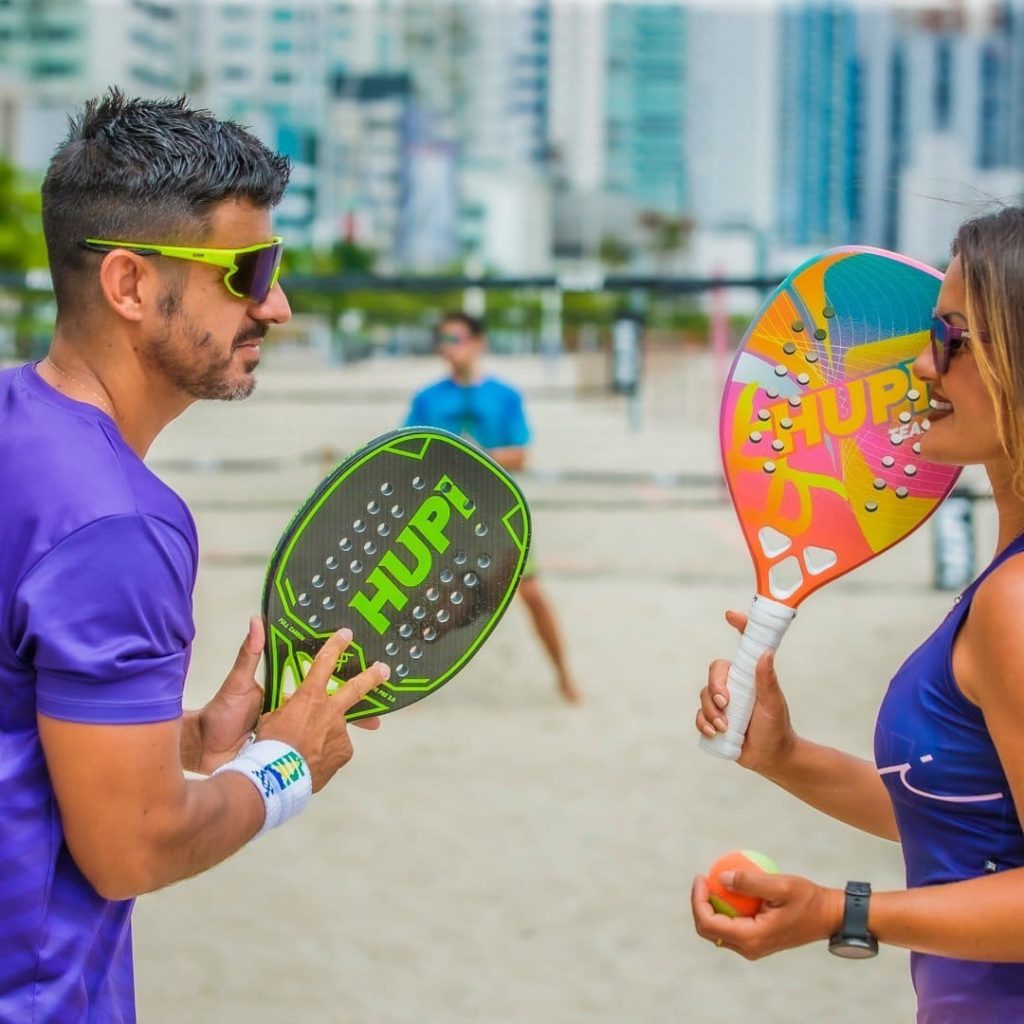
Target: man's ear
{"x": 130, "y": 284}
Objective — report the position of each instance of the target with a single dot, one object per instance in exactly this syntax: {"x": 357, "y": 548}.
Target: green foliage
{"x": 614, "y": 252}
{"x": 21, "y": 230}
{"x": 344, "y": 257}
{"x": 351, "y": 258}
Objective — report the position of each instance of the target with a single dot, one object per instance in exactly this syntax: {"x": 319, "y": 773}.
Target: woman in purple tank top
{"x": 948, "y": 778}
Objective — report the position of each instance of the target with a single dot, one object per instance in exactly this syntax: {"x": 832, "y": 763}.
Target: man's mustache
{"x": 256, "y": 333}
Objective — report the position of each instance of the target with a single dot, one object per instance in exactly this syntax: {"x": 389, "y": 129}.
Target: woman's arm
{"x": 840, "y": 785}
{"x": 975, "y": 919}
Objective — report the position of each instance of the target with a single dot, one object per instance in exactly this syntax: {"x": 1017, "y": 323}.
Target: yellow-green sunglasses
{"x": 251, "y": 272}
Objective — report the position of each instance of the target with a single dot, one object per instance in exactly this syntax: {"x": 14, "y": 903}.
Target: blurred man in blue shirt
{"x": 488, "y": 412}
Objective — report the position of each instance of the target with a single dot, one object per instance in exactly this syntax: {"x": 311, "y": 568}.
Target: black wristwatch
{"x": 853, "y": 940}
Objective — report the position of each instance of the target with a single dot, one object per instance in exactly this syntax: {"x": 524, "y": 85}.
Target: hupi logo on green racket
{"x": 391, "y": 577}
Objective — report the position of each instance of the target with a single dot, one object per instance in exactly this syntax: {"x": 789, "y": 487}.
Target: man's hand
{"x": 216, "y": 733}
{"x": 510, "y": 459}
{"x": 313, "y": 721}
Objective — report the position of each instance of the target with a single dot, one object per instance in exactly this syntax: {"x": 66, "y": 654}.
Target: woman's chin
{"x": 933, "y": 450}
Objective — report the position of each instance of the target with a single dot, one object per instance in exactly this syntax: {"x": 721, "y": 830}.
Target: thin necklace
{"x": 95, "y": 394}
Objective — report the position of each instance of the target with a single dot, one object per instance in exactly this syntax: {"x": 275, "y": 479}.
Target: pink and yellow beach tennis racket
{"x": 820, "y": 427}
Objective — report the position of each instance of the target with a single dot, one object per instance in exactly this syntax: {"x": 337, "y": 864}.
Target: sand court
{"x": 492, "y": 855}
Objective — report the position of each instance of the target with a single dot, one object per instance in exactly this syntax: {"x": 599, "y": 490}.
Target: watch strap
{"x": 855, "y": 913}
{"x": 853, "y": 941}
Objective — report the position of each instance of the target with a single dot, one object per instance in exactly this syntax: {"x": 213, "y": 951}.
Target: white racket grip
{"x": 766, "y": 625}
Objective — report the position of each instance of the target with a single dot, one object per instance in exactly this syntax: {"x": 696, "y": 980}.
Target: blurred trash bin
{"x": 954, "y": 552}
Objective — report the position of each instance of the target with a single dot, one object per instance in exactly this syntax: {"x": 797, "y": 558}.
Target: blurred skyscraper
{"x": 818, "y": 143}
{"x": 646, "y": 105}
{"x": 53, "y": 53}
{"x": 513, "y": 134}
{"x": 505, "y": 216}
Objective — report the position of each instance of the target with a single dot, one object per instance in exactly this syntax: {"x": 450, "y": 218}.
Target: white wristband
{"x": 281, "y": 776}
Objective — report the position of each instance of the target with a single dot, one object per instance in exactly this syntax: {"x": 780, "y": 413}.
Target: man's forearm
{"x": 145, "y": 825}
{"x": 191, "y": 741}
{"x": 214, "y": 818}
{"x": 512, "y": 459}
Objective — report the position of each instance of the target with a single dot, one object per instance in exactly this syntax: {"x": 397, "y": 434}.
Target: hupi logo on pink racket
{"x": 841, "y": 410}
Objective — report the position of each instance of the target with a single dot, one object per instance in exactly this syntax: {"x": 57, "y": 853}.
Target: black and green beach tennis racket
{"x": 416, "y": 543}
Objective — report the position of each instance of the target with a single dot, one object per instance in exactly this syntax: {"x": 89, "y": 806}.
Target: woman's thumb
{"x": 765, "y": 679}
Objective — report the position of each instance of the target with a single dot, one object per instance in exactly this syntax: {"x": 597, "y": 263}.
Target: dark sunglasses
{"x": 948, "y": 340}
{"x": 250, "y": 273}
{"x": 453, "y": 339}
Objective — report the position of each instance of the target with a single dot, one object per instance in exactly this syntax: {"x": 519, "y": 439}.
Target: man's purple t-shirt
{"x": 97, "y": 566}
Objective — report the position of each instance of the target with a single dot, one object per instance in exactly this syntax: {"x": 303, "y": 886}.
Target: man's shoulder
{"x": 62, "y": 470}
{"x": 441, "y": 384}
{"x": 499, "y": 386}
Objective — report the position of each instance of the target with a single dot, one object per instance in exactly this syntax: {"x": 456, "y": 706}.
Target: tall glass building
{"x": 646, "y": 100}
{"x": 821, "y": 84}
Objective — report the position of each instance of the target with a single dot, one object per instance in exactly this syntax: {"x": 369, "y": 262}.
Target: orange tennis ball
{"x": 735, "y": 904}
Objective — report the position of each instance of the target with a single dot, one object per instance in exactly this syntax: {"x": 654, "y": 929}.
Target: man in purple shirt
{"x": 157, "y": 223}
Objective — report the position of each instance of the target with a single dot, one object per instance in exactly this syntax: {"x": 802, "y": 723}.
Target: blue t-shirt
{"x": 488, "y": 412}
{"x": 954, "y": 810}
{"x": 97, "y": 565}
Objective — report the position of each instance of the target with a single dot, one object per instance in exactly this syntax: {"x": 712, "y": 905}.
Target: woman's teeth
{"x": 940, "y": 406}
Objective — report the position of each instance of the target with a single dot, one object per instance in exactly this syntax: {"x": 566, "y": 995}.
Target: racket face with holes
{"x": 822, "y": 416}
{"x": 416, "y": 543}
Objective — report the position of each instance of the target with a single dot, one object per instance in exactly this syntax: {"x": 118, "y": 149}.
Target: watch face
{"x": 852, "y": 947}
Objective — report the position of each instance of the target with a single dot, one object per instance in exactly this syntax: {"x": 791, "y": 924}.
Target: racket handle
{"x": 766, "y": 625}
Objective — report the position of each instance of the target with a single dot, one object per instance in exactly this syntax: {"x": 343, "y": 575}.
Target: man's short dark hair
{"x": 474, "y": 324}
{"x": 140, "y": 170}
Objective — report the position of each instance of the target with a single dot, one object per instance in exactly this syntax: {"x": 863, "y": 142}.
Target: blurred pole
{"x": 474, "y": 298}
{"x": 719, "y": 345}
{"x": 551, "y": 325}
{"x": 719, "y": 331}
{"x": 626, "y": 359}
{"x": 638, "y": 299}
{"x": 953, "y": 548}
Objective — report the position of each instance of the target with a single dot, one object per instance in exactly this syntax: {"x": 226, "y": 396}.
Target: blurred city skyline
{"x": 546, "y": 135}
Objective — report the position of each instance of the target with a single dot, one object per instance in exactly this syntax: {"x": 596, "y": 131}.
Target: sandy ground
{"x": 491, "y": 855}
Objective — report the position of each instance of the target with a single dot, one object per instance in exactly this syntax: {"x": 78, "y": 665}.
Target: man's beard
{"x": 193, "y": 364}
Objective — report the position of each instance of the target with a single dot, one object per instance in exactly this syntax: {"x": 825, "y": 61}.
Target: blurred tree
{"x": 667, "y": 236}
{"x": 21, "y": 229}
{"x": 344, "y": 257}
{"x": 352, "y": 258}
{"x": 613, "y": 251}
{"x": 27, "y": 314}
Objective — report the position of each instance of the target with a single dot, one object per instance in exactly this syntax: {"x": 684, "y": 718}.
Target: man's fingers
{"x": 353, "y": 690}
{"x": 252, "y": 647}
{"x": 325, "y": 663}
{"x": 356, "y": 688}
{"x": 370, "y": 724}
{"x": 243, "y": 672}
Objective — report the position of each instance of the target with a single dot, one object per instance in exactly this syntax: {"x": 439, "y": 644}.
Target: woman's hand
{"x": 794, "y": 912}
{"x": 770, "y": 737}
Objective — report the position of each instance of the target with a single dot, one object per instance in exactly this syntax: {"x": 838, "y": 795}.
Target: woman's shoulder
{"x": 1001, "y": 592}
{"x": 994, "y": 630}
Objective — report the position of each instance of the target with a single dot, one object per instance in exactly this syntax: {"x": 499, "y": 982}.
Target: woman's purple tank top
{"x": 954, "y": 810}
